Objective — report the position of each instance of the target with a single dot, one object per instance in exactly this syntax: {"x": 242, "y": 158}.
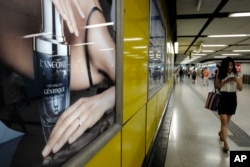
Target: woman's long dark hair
{"x": 223, "y": 68}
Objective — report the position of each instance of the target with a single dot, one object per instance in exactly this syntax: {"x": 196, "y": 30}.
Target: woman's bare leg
{"x": 225, "y": 119}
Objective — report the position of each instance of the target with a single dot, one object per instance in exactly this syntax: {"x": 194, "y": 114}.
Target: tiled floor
{"x": 193, "y": 138}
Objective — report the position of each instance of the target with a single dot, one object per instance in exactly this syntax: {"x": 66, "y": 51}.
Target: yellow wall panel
{"x": 151, "y": 123}
{"x": 160, "y": 102}
{"x": 135, "y": 61}
{"x": 133, "y": 140}
{"x": 162, "y": 99}
{"x": 109, "y": 155}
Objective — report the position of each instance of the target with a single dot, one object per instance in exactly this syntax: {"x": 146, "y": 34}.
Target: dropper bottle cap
{"x": 52, "y": 21}
{"x": 53, "y": 40}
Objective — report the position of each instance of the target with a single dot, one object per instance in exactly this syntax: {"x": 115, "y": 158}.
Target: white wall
{"x": 245, "y": 68}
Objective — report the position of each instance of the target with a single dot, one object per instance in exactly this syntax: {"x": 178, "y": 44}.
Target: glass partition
{"x": 156, "y": 50}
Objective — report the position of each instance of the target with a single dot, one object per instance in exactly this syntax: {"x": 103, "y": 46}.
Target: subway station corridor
{"x": 193, "y": 135}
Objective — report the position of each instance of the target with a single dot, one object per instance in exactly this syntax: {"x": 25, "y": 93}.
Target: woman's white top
{"x": 230, "y": 86}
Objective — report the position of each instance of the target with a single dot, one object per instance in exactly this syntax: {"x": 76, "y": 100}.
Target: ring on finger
{"x": 79, "y": 121}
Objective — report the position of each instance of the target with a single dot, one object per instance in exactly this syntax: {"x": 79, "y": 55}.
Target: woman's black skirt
{"x": 228, "y": 103}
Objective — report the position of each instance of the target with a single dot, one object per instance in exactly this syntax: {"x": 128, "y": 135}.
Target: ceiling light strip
{"x": 228, "y": 35}
{"x": 242, "y": 14}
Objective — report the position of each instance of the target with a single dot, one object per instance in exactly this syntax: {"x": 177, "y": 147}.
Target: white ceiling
{"x": 194, "y": 23}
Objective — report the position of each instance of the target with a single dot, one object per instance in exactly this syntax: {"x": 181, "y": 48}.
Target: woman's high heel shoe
{"x": 225, "y": 149}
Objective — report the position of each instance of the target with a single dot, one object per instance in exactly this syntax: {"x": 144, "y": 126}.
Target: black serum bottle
{"x": 52, "y": 67}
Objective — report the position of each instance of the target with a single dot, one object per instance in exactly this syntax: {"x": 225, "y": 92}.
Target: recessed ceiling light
{"x": 139, "y": 47}
{"x": 36, "y": 35}
{"x": 107, "y": 49}
{"x": 231, "y": 54}
{"x": 99, "y": 25}
{"x": 82, "y": 44}
{"x": 207, "y": 51}
{"x": 132, "y": 39}
{"x": 228, "y": 35}
{"x": 243, "y": 14}
{"x": 241, "y": 50}
{"x": 215, "y": 45}
{"x": 220, "y": 57}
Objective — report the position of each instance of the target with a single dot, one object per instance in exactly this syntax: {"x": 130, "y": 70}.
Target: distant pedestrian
{"x": 194, "y": 75}
{"x": 181, "y": 74}
{"x": 205, "y": 76}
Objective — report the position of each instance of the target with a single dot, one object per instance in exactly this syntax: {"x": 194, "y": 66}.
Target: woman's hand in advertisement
{"x": 77, "y": 119}
{"x": 66, "y": 10}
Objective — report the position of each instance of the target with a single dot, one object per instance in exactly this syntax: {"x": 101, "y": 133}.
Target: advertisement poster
{"x": 58, "y": 68}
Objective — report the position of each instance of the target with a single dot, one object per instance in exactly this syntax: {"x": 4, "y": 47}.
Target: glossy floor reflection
{"x": 193, "y": 139}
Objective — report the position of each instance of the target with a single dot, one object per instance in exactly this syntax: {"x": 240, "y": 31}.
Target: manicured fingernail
{"x": 55, "y": 148}
{"x": 71, "y": 140}
{"x": 71, "y": 29}
{"x": 45, "y": 151}
{"x": 82, "y": 15}
{"x": 64, "y": 16}
{"x": 76, "y": 33}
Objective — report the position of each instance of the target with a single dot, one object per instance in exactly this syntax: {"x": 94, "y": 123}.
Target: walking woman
{"x": 229, "y": 81}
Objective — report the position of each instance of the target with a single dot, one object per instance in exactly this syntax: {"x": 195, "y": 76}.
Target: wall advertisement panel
{"x": 58, "y": 80}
